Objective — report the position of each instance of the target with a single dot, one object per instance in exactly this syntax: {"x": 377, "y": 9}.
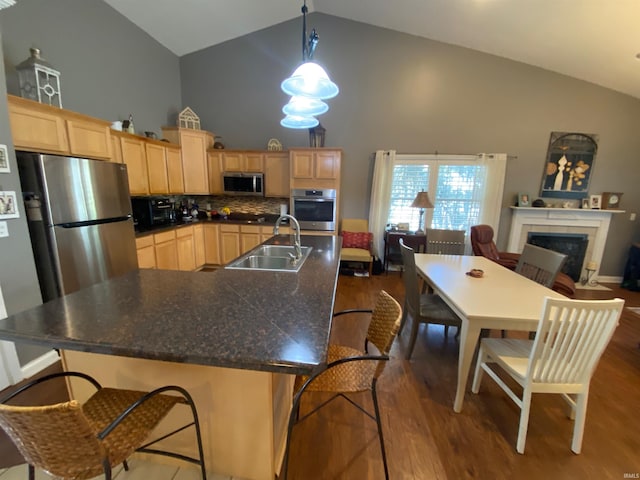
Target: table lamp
{"x": 421, "y": 201}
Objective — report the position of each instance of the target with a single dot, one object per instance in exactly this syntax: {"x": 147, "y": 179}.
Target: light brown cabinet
{"x": 238, "y": 161}
{"x": 166, "y": 250}
{"x": 249, "y": 237}
{"x": 174, "y": 169}
{"x": 316, "y": 164}
{"x": 276, "y": 174}
{"x": 42, "y": 128}
{"x": 212, "y": 244}
{"x": 157, "y": 175}
{"x": 215, "y": 172}
{"x": 145, "y": 249}
{"x": 135, "y": 157}
{"x": 199, "y": 245}
{"x": 185, "y": 245}
{"x": 229, "y": 243}
{"x": 194, "y": 145}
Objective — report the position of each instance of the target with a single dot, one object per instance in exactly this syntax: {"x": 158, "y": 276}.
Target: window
{"x": 453, "y": 187}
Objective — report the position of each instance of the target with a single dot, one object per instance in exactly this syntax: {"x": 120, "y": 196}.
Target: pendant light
{"x": 308, "y": 85}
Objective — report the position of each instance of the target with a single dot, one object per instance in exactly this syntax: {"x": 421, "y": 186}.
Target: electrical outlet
{"x": 4, "y": 231}
{"x": 632, "y": 217}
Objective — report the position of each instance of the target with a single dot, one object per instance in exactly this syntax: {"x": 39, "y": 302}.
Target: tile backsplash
{"x": 236, "y": 204}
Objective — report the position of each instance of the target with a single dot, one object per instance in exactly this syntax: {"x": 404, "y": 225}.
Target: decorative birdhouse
{"x": 38, "y": 80}
{"x": 188, "y": 119}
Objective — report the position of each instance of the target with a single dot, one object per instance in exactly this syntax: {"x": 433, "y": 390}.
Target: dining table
{"x": 499, "y": 299}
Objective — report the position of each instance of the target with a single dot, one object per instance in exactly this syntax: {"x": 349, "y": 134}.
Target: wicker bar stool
{"x": 350, "y": 370}
{"x": 80, "y": 441}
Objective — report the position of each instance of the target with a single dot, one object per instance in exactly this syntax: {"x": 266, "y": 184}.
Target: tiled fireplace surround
{"x": 593, "y": 223}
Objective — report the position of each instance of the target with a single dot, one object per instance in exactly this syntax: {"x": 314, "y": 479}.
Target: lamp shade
{"x": 310, "y": 80}
{"x": 305, "y": 106}
{"x": 299, "y": 121}
{"x": 422, "y": 200}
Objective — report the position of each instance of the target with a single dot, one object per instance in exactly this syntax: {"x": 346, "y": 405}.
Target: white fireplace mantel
{"x": 593, "y": 223}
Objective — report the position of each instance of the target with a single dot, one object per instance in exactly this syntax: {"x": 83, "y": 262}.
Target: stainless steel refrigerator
{"x": 80, "y": 221}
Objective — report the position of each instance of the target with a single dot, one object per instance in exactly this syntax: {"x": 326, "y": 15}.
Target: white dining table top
{"x": 499, "y": 295}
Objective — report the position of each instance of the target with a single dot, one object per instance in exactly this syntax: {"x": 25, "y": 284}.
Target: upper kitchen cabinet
{"x": 156, "y": 168}
{"x": 174, "y": 168}
{"x": 315, "y": 168}
{"x": 276, "y": 174}
{"x": 194, "y": 145}
{"x": 42, "y": 128}
{"x": 238, "y": 161}
{"x": 135, "y": 157}
{"x": 215, "y": 172}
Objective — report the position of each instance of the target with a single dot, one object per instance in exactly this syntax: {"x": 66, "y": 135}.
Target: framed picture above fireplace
{"x": 569, "y": 165}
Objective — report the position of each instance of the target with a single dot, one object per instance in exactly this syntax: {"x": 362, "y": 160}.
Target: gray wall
{"x": 17, "y": 271}
{"x": 418, "y": 96}
{"x": 109, "y": 68}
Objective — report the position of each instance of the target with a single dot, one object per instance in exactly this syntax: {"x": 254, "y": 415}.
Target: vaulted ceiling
{"x": 593, "y": 40}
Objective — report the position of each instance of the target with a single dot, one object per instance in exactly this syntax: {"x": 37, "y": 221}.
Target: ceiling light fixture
{"x": 308, "y": 85}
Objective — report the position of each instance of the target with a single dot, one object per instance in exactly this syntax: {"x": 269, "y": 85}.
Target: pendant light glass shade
{"x": 310, "y": 80}
{"x": 305, "y": 106}
{"x": 299, "y": 121}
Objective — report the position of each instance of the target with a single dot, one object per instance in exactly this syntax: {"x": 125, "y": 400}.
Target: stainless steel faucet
{"x": 296, "y": 227}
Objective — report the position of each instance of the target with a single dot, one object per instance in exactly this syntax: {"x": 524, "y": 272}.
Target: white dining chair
{"x": 571, "y": 336}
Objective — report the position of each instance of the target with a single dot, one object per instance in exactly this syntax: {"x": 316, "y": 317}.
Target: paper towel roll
{"x": 283, "y": 208}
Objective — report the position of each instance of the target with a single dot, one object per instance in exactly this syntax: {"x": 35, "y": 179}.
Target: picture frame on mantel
{"x": 569, "y": 165}
{"x": 524, "y": 200}
{"x": 595, "y": 202}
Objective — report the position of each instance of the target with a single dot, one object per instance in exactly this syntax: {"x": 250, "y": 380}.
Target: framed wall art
{"x": 4, "y": 160}
{"x": 8, "y": 205}
{"x": 569, "y": 165}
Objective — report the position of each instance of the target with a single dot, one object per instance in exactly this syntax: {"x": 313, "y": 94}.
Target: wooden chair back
{"x": 445, "y": 242}
{"x": 571, "y": 337}
{"x": 540, "y": 264}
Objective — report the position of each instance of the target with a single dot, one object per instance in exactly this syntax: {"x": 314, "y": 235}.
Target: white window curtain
{"x": 487, "y": 195}
{"x": 380, "y": 195}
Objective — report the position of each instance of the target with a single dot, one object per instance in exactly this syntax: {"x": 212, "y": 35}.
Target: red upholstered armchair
{"x": 483, "y": 245}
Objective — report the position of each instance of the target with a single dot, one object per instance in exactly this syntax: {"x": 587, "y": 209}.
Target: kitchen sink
{"x": 274, "y": 258}
{"x": 280, "y": 250}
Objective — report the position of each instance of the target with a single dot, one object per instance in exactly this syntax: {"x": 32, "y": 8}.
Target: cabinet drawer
{"x": 249, "y": 229}
{"x": 164, "y": 236}
{"x": 184, "y": 231}
{"x": 146, "y": 241}
{"x": 230, "y": 228}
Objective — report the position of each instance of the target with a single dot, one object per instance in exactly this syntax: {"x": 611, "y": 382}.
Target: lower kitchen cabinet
{"x": 185, "y": 246}
{"x": 212, "y": 244}
{"x": 146, "y": 252}
{"x": 249, "y": 237}
{"x": 229, "y": 243}
{"x": 199, "y": 245}
{"x": 166, "y": 250}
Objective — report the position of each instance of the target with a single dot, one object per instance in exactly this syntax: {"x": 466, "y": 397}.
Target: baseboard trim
{"x": 37, "y": 365}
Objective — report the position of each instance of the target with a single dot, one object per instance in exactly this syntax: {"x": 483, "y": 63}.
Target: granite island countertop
{"x": 256, "y": 320}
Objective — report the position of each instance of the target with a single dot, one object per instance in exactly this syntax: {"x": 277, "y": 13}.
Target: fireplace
{"x": 592, "y": 223}
{"x": 573, "y": 245}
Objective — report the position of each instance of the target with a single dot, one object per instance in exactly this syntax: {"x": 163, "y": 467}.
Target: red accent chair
{"x": 483, "y": 245}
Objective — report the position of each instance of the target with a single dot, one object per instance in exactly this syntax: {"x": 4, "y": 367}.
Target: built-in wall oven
{"x": 314, "y": 209}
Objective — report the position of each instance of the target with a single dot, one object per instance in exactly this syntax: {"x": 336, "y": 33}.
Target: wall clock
{"x": 611, "y": 200}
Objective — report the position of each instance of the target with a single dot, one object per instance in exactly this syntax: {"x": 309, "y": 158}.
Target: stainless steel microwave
{"x": 236, "y": 183}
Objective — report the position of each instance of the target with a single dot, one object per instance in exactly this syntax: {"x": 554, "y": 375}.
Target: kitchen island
{"x": 233, "y": 338}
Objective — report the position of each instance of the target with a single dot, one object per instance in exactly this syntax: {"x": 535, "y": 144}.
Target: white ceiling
{"x": 593, "y": 40}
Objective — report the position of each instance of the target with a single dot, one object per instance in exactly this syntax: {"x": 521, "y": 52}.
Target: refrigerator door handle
{"x": 93, "y": 222}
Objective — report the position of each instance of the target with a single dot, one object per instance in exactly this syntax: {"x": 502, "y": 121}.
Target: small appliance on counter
{"x": 149, "y": 212}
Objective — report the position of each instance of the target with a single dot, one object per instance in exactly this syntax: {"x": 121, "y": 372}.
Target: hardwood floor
{"x": 425, "y": 439}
